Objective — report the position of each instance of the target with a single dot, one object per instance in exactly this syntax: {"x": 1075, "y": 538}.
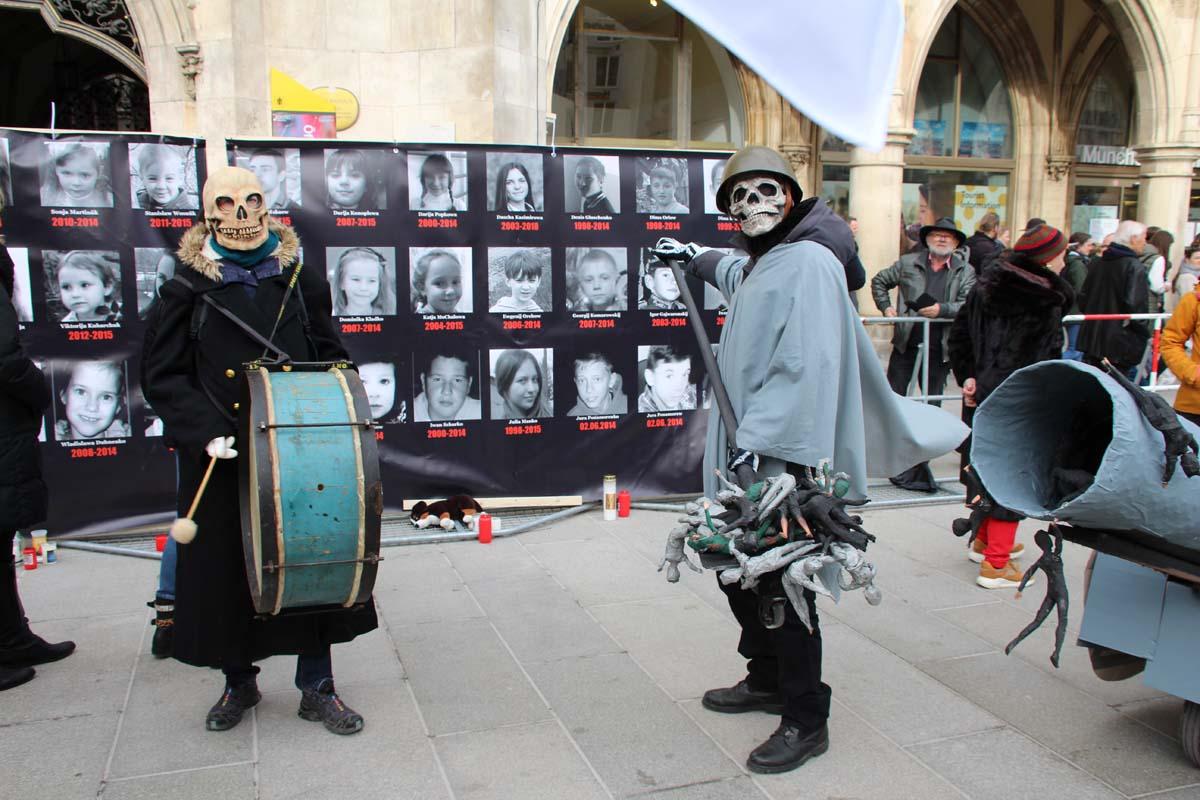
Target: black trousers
{"x": 786, "y": 659}
{"x": 901, "y": 366}
{"x": 13, "y": 625}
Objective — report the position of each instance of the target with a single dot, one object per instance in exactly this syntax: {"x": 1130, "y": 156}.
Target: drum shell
{"x": 311, "y": 497}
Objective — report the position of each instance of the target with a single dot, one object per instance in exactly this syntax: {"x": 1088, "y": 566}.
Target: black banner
{"x": 513, "y": 333}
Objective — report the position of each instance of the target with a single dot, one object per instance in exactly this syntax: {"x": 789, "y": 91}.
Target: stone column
{"x": 1166, "y": 186}
{"x": 875, "y": 199}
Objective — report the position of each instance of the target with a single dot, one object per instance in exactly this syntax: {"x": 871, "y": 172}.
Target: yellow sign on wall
{"x": 972, "y": 202}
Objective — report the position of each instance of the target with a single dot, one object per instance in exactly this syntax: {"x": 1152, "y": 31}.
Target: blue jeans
{"x": 166, "y": 571}
{"x": 1072, "y": 337}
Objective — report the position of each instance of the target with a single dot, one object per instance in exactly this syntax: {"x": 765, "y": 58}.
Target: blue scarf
{"x": 232, "y": 273}
{"x": 246, "y": 258}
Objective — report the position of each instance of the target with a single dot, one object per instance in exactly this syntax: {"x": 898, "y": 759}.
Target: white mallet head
{"x": 183, "y": 530}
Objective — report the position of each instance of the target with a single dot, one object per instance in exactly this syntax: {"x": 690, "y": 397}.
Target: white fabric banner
{"x": 834, "y": 61}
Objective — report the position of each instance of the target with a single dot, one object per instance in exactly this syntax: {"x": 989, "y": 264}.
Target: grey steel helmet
{"x": 751, "y": 159}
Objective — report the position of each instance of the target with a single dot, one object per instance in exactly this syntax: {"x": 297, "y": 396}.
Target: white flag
{"x": 834, "y": 60}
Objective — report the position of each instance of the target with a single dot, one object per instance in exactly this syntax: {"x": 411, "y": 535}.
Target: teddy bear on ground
{"x": 457, "y": 508}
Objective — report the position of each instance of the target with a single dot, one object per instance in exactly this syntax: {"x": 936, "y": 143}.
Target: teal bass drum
{"x": 311, "y": 495}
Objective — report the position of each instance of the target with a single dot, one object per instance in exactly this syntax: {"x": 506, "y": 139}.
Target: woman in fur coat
{"x": 1011, "y": 319}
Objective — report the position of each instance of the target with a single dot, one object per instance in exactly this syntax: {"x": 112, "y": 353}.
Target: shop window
{"x": 639, "y": 72}
{"x": 962, "y": 107}
{"x": 962, "y": 195}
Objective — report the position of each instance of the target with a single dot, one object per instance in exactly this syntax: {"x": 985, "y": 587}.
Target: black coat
{"x": 1011, "y": 319}
{"x": 981, "y": 248}
{"x": 1115, "y": 284}
{"x": 23, "y": 399}
{"x": 214, "y": 616}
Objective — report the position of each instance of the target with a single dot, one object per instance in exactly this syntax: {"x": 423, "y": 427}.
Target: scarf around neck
{"x": 246, "y": 258}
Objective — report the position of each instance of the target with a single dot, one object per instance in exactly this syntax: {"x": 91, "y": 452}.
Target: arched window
{"x": 1106, "y": 179}
{"x": 960, "y": 161}
{"x": 636, "y": 72}
{"x": 1108, "y": 109}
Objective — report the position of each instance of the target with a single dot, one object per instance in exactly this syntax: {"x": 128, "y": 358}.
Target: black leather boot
{"x": 789, "y": 747}
{"x": 29, "y": 650}
{"x": 15, "y": 677}
{"x": 163, "y": 644}
{"x": 741, "y": 697}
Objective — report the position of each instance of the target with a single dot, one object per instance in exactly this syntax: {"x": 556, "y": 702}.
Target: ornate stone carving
{"x": 115, "y": 102}
{"x": 1058, "y": 167}
{"x": 108, "y": 17}
{"x": 190, "y": 64}
{"x": 798, "y": 155}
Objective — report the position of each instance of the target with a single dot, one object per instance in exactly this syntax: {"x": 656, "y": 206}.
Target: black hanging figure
{"x": 1180, "y": 444}
{"x": 1050, "y": 563}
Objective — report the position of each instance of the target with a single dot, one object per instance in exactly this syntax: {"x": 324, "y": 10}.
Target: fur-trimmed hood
{"x": 196, "y": 252}
{"x": 1014, "y": 284}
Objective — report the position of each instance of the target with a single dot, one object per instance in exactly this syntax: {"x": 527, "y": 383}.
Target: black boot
{"x": 15, "y": 677}
{"x": 234, "y": 702}
{"x": 163, "y": 644}
{"x": 29, "y": 650}
{"x": 742, "y": 697}
{"x": 788, "y": 748}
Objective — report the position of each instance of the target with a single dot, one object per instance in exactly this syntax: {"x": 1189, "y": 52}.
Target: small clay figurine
{"x": 1050, "y": 563}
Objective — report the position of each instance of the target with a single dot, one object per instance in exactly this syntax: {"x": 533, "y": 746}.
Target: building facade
{"x": 1081, "y": 112}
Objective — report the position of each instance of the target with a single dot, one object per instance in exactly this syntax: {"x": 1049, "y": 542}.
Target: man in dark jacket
{"x": 1116, "y": 284}
{"x": 243, "y": 260}
{"x": 23, "y": 496}
{"x": 984, "y": 242}
{"x": 1011, "y": 319}
{"x": 1075, "y": 270}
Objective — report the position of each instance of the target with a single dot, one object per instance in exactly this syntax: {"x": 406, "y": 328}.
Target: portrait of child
{"x": 519, "y": 280}
{"x": 714, "y": 172}
{"x": 448, "y": 380}
{"x": 597, "y": 279}
{"x": 362, "y": 280}
{"x": 163, "y": 176}
{"x": 592, "y": 184}
{"x": 91, "y": 400}
{"x": 354, "y": 180}
{"x": 599, "y": 387}
{"x": 662, "y": 185}
{"x": 440, "y": 279}
{"x": 76, "y": 175}
{"x": 666, "y": 379}
{"x": 379, "y": 381}
{"x": 154, "y": 267}
{"x": 514, "y": 182}
{"x": 437, "y": 181}
{"x": 520, "y": 383}
{"x": 278, "y": 170}
{"x": 83, "y": 285}
{"x": 658, "y": 289}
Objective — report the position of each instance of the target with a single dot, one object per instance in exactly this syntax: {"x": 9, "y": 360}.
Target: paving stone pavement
{"x": 559, "y": 664}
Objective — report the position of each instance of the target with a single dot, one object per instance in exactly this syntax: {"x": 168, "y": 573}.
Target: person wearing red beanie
{"x": 1012, "y": 318}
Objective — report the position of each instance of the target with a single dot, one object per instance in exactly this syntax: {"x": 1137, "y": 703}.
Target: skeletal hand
{"x": 221, "y": 447}
{"x": 670, "y": 249}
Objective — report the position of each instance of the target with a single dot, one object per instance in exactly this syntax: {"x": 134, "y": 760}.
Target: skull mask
{"x": 758, "y": 203}
{"x": 234, "y": 209}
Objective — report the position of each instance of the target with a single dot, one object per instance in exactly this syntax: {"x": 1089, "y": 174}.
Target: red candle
{"x": 483, "y": 527}
{"x": 623, "y": 501}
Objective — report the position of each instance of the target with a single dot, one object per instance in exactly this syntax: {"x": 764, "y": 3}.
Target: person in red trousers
{"x": 1012, "y": 318}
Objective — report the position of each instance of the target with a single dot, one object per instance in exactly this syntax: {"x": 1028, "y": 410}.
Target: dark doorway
{"x": 91, "y": 90}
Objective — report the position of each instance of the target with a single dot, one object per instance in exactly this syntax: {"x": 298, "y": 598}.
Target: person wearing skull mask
{"x": 243, "y": 260}
{"x": 804, "y": 385}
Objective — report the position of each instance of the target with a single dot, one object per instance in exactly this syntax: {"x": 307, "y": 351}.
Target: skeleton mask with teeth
{"x": 234, "y": 209}
{"x": 758, "y": 203}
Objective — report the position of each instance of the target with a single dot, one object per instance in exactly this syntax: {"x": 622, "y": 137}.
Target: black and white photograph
{"x": 597, "y": 279}
{"x": 446, "y": 383}
{"x": 592, "y": 184}
{"x": 714, "y": 171}
{"x": 83, "y": 285}
{"x": 599, "y": 381}
{"x": 437, "y": 181}
{"x": 6, "y": 195}
{"x": 519, "y": 280}
{"x": 521, "y": 384}
{"x": 354, "y": 180}
{"x": 153, "y": 266}
{"x": 362, "y": 280}
{"x": 162, "y": 177}
{"x": 22, "y": 296}
{"x": 665, "y": 381}
{"x": 380, "y": 379}
{"x": 713, "y": 299}
{"x": 440, "y": 280}
{"x": 661, "y": 185}
{"x": 76, "y": 175}
{"x": 657, "y": 289}
{"x": 91, "y": 400}
{"x": 278, "y": 170}
{"x": 515, "y": 183}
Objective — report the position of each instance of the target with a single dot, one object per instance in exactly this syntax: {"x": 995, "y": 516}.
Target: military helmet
{"x": 754, "y": 158}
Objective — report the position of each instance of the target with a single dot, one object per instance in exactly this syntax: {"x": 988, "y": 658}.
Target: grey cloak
{"x": 803, "y": 378}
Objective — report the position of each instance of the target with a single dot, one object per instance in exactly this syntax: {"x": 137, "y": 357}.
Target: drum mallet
{"x": 183, "y": 529}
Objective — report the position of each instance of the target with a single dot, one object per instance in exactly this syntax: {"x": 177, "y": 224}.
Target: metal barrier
{"x": 922, "y": 355}
{"x": 1155, "y": 341}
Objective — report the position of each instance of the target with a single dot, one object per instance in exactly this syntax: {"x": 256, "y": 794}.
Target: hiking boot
{"x": 789, "y": 747}
{"x": 1007, "y": 578}
{"x": 29, "y": 650}
{"x": 15, "y": 677}
{"x": 228, "y": 711}
{"x": 163, "y": 643}
{"x": 322, "y": 704}
{"x": 976, "y": 551}
{"x": 740, "y": 698}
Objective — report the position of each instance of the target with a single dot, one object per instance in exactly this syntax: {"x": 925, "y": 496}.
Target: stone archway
{"x": 106, "y": 25}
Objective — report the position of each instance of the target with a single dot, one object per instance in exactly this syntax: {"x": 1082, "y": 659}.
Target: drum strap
{"x": 198, "y": 320}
